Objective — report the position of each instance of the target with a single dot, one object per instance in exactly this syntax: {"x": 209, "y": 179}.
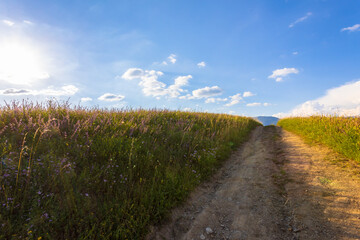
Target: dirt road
{"x": 273, "y": 187}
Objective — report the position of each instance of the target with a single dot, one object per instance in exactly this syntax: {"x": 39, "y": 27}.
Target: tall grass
{"x": 75, "y": 173}
{"x": 342, "y": 134}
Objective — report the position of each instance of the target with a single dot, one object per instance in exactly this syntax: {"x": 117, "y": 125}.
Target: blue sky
{"x": 240, "y": 57}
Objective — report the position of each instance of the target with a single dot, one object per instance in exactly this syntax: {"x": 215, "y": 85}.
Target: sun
{"x": 21, "y": 64}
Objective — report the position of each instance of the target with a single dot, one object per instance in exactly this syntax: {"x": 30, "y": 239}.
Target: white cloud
{"x": 152, "y": 87}
{"x": 207, "y": 92}
{"x": 255, "y": 104}
{"x": 110, "y": 97}
{"x": 182, "y": 80}
{"x": 175, "y": 89}
{"x": 86, "y": 99}
{"x": 133, "y": 73}
{"x": 232, "y": 100}
{"x": 214, "y": 100}
{"x": 67, "y": 90}
{"x": 231, "y": 112}
{"x": 28, "y": 22}
{"x": 210, "y": 100}
{"x": 201, "y": 64}
{"x": 13, "y": 91}
{"x": 300, "y": 19}
{"x": 235, "y": 99}
{"x": 8, "y": 22}
{"x": 172, "y": 58}
{"x": 278, "y": 74}
{"x": 354, "y": 28}
{"x": 295, "y": 53}
{"x": 343, "y": 100}
{"x": 187, "y": 96}
{"x": 248, "y": 94}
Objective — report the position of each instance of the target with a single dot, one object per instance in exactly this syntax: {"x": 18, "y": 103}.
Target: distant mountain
{"x": 267, "y": 120}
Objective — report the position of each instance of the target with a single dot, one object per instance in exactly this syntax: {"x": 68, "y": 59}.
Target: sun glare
{"x": 21, "y": 64}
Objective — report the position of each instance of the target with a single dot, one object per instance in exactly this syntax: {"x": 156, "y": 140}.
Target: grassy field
{"x": 74, "y": 173}
{"x": 339, "y": 133}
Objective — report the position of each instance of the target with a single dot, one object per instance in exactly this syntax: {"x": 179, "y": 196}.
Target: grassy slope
{"x": 339, "y": 133}
{"x": 94, "y": 174}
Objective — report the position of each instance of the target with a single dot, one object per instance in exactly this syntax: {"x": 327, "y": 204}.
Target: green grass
{"x": 74, "y": 173}
{"x": 338, "y": 133}
{"x": 324, "y": 180}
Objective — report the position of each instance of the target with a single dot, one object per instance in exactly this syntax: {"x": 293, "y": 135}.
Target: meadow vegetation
{"x": 341, "y": 134}
{"x": 76, "y": 173}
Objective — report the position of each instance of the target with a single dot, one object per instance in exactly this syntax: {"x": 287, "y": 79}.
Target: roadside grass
{"x": 76, "y": 173}
{"x": 342, "y": 134}
{"x": 324, "y": 180}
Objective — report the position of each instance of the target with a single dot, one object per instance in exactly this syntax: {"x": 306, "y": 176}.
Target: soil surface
{"x": 273, "y": 187}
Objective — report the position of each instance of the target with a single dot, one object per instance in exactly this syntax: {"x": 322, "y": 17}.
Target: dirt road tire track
{"x": 266, "y": 191}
